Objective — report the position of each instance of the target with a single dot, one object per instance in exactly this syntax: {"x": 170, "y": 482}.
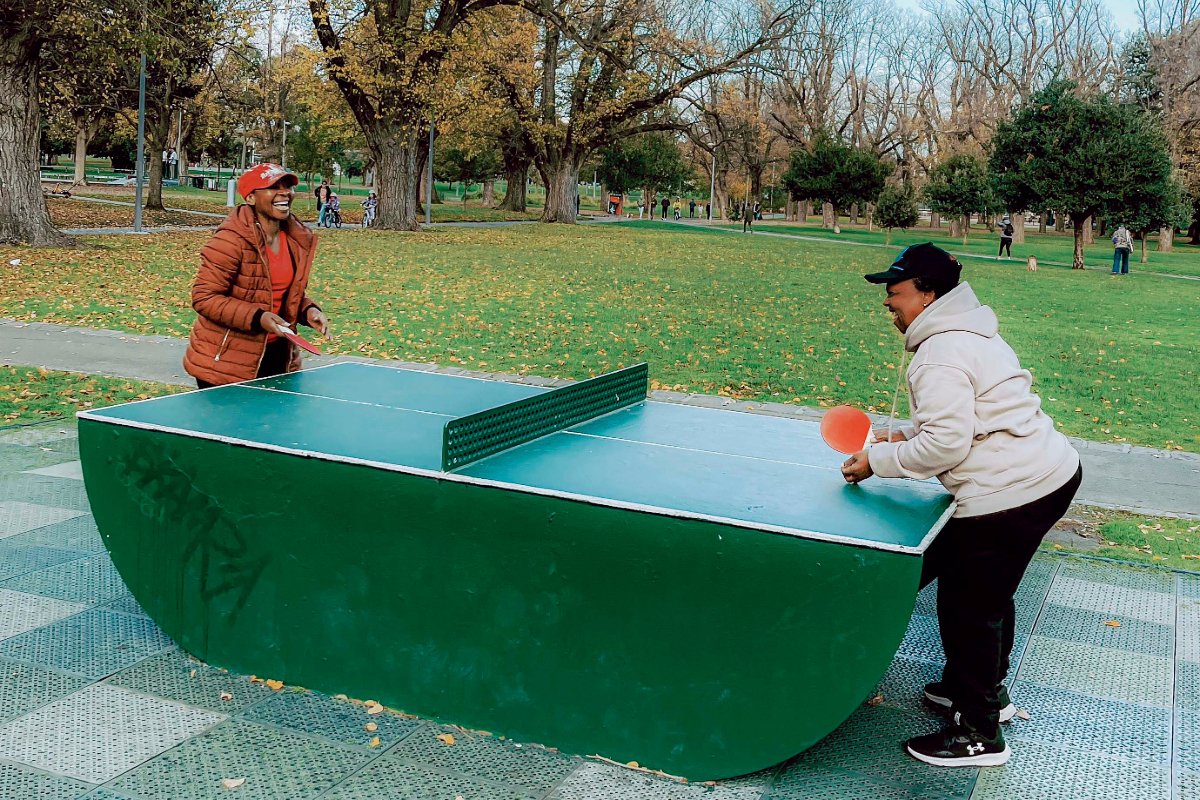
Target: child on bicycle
{"x": 369, "y": 206}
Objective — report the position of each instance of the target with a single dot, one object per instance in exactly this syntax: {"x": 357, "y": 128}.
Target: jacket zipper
{"x": 221, "y": 349}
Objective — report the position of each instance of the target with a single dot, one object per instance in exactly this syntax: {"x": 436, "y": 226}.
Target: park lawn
{"x": 97, "y": 215}
{"x": 1157, "y": 541}
{"x": 77, "y": 214}
{"x": 747, "y": 317}
{"x": 1049, "y": 248}
{"x": 32, "y": 394}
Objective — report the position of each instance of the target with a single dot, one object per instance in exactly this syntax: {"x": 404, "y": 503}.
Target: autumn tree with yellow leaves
{"x": 612, "y": 69}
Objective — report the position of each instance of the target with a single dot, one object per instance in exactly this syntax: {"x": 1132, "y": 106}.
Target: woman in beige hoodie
{"x": 978, "y": 428}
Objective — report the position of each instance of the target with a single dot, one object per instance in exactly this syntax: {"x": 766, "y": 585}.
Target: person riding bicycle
{"x": 333, "y": 211}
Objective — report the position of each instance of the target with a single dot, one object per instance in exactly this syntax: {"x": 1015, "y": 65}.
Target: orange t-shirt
{"x": 282, "y": 273}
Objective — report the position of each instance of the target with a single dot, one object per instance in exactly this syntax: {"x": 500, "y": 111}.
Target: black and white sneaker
{"x": 938, "y": 696}
{"x": 959, "y": 746}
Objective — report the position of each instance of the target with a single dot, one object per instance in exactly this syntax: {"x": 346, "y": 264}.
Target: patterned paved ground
{"x": 95, "y": 702}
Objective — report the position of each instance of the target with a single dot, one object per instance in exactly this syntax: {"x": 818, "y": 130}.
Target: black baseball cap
{"x": 920, "y": 260}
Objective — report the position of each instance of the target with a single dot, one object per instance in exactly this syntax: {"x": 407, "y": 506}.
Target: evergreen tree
{"x": 1088, "y": 157}
{"x": 834, "y": 173}
{"x": 896, "y": 208}
{"x": 959, "y": 187}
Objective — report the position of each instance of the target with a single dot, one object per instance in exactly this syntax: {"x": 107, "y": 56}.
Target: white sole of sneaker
{"x": 982, "y": 760}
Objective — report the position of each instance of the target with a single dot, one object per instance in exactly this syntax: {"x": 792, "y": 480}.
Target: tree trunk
{"x": 516, "y": 175}
{"x": 81, "y": 143}
{"x": 158, "y": 126}
{"x": 1042, "y": 222}
{"x": 561, "y": 179}
{"x": 935, "y": 221}
{"x": 1145, "y": 258}
{"x": 1166, "y": 240}
{"x": 1077, "y": 260}
{"x": 721, "y": 201}
{"x": 1060, "y": 222}
{"x": 836, "y": 218}
{"x": 1088, "y": 236}
{"x": 23, "y": 215}
{"x": 489, "y": 194}
{"x": 1018, "y": 223}
{"x": 399, "y": 173}
{"x": 183, "y": 163}
{"x": 966, "y": 227}
{"x": 828, "y": 219}
{"x": 854, "y": 213}
{"x": 870, "y": 217}
{"x": 955, "y": 228}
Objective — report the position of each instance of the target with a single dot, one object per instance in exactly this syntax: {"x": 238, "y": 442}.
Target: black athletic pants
{"x": 1005, "y": 244}
{"x": 979, "y": 562}
{"x": 274, "y": 361}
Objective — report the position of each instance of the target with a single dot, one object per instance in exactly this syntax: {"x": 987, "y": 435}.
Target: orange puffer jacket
{"x": 232, "y": 286}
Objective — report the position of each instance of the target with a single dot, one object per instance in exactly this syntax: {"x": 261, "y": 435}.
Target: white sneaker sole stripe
{"x": 985, "y": 760}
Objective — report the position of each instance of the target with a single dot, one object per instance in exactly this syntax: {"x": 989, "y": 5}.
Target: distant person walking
{"x": 747, "y": 217}
{"x": 691, "y": 209}
{"x": 666, "y": 203}
{"x": 322, "y": 193}
{"x": 678, "y": 211}
{"x": 757, "y": 210}
{"x": 1122, "y": 241}
{"x": 1006, "y": 237}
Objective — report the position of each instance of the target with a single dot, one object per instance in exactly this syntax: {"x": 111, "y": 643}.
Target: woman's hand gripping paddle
{"x": 846, "y": 429}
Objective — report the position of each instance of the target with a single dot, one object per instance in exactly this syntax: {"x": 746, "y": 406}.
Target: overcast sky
{"x": 1124, "y": 12}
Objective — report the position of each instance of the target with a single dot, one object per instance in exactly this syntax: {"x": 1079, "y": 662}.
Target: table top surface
{"x": 751, "y": 470}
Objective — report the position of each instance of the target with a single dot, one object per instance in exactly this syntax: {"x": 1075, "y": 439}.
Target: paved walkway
{"x": 96, "y": 702}
{"x": 1157, "y": 482}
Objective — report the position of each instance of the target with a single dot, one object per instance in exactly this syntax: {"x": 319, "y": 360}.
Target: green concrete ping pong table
{"x": 695, "y": 589}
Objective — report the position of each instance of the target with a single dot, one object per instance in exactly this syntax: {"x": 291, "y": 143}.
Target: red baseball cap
{"x": 261, "y": 176}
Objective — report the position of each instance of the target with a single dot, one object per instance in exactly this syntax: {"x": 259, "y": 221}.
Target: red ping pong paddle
{"x": 845, "y": 429}
{"x": 299, "y": 341}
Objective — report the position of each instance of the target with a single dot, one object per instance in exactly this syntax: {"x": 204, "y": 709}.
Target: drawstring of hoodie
{"x": 896, "y": 391}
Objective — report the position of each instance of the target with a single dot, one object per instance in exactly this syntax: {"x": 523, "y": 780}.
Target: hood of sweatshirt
{"x": 957, "y": 310}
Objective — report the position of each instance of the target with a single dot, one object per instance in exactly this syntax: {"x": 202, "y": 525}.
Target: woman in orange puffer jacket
{"x": 252, "y": 280}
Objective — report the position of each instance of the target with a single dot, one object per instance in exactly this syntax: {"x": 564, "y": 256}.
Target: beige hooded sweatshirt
{"x": 976, "y": 424}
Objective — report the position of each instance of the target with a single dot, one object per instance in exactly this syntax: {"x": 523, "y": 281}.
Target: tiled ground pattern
{"x": 96, "y": 703}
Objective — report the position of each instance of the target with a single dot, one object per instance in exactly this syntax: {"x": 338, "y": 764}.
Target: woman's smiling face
{"x": 906, "y": 302}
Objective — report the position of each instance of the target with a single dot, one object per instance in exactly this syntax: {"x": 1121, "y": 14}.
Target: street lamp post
{"x": 283, "y": 147}
{"x": 712, "y": 184}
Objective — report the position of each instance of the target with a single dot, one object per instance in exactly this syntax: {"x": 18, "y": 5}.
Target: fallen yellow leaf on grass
{"x": 274, "y": 684}
{"x": 370, "y": 727}
{"x": 1112, "y": 623}
{"x": 446, "y": 738}
{"x": 232, "y": 783}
